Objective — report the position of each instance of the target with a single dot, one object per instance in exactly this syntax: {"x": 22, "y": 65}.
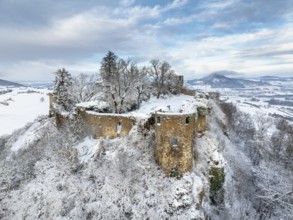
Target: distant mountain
{"x": 231, "y": 74}
{"x": 218, "y": 80}
{"x": 8, "y": 83}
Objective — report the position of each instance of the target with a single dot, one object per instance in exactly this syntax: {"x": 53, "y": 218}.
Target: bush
{"x": 217, "y": 178}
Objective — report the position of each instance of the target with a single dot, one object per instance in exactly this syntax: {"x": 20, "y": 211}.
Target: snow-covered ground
{"x": 48, "y": 173}
{"x": 253, "y": 100}
{"x": 170, "y": 105}
{"x": 20, "y": 106}
{"x": 111, "y": 179}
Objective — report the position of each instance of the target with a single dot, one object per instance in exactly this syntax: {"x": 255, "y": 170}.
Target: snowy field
{"x": 20, "y": 106}
{"x": 255, "y": 100}
{"x": 47, "y": 173}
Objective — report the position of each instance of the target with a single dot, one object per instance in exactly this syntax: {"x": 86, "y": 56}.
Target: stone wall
{"x": 186, "y": 91}
{"x": 201, "y": 124}
{"x": 107, "y": 125}
{"x": 62, "y": 120}
{"x": 51, "y": 106}
{"x": 174, "y": 141}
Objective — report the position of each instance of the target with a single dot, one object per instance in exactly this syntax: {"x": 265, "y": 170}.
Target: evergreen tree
{"x": 109, "y": 67}
{"x": 118, "y": 76}
{"x": 61, "y": 94}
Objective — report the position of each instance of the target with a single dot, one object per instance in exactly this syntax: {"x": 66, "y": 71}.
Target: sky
{"x": 197, "y": 37}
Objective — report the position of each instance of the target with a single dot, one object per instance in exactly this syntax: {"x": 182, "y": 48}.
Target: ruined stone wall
{"x": 61, "y": 120}
{"x": 174, "y": 141}
{"x": 186, "y": 91}
{"x": 107, "y": 125}
{"x": 201, "y": 123}
{"x": 51, "y": 106}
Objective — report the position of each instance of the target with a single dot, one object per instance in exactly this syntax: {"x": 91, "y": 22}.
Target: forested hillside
{"x": 49, "y": 173}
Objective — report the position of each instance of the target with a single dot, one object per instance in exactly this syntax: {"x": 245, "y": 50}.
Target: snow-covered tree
{"x": 84, "y": 87}
{"x": 63, "y": 99}
{"x": 108, "y": 68}
{"x": 275, "y": 191}
{"x": 124, "y": 83}
{"x": 263, "y": 124}
{"x": 164, "y": 79}
{"x": 142, "y": 86}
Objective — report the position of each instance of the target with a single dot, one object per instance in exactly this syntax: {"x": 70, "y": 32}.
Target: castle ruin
{"x": 174, "y": 133}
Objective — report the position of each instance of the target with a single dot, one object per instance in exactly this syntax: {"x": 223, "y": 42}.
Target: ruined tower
{"x": 174, "y": 141}
{"x": 201, "y": 123}
{"x": 181, "y": 81}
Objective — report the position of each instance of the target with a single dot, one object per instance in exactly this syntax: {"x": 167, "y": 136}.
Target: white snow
{"x": 98, "y": 104}
{"x": 172, "y": 104}
{"x": 88, "y": 148}
{"x": 22, "y": 108}
{"x": 28, "y": 137}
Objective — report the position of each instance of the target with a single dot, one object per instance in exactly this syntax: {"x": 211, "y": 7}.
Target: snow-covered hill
{"x": 46, "y": 178}
{"x": 238, "y": 173}
{"x": 218, "y": 80}
{"x": 54, "y": 174}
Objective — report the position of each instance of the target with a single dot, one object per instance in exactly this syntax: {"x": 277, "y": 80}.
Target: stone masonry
{"x": 107, "y": 125}
{"x": 174, "y": 141}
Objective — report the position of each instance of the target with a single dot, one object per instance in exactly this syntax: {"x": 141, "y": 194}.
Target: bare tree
{"x": 84, "y": 87}
{"x": 263, "y": 124}
{"x": 275, "y": 191}
{"x": 142, "y": 85}
{"x": 164, "y": 79}
{"x": 119, "y": 77}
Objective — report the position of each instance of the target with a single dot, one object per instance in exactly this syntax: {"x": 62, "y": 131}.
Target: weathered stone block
{"x": 174, "y": 141}
{"x": 107, "y": 125}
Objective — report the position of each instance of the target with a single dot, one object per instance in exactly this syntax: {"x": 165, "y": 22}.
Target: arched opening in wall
{"x": 174, "y": 142}
{"x": 187, "y": 120}
{"x": 119, "y": 127}
{"x": 158, "y": 120}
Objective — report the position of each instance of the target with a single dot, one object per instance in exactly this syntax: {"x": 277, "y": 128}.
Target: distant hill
{"x": 8, "y": 83}
{"x": 218, "y": 80}
{"x": 38, "y": 84}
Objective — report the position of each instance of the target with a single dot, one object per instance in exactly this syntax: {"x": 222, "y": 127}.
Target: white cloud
{"x": 126, "y": 2}
{"x": 178, "y": 21}
{"x": 78, "y": 41}
{"x": 207, "y": 5}
{"x": 221, "y": 25}
{"x": 42, "y": 70}
{"x": 262, "y": 52}
{"x": 175, "y": 4}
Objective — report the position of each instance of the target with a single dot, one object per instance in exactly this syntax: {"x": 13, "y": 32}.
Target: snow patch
{"x": 88, "y": 148}
{"x": 32, "y": 134}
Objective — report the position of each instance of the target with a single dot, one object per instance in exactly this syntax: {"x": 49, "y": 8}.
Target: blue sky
{"x": 197, "y": 37}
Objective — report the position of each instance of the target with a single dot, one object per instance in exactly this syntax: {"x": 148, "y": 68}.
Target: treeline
{"x": 262, "y": 179}
{"x": 280, "y": 102}
{"x": 121, "y": 84}
{"x": 2, "y": 92}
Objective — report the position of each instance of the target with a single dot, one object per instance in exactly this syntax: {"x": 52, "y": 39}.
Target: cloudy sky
{"x": 196, "y": 37}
